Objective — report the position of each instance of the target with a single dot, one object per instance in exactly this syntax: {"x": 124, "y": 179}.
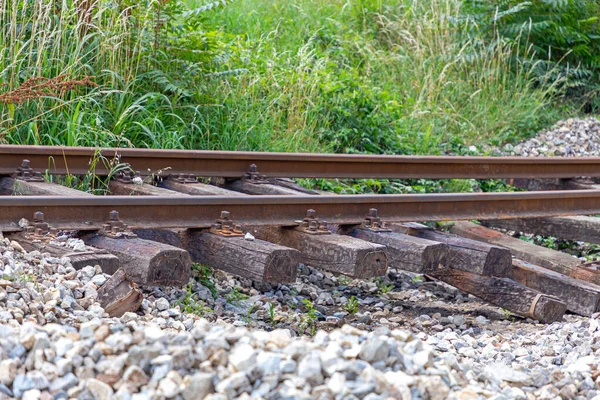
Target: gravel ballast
{"x": 57, "y": 342}
{"x": 569, "y": 138}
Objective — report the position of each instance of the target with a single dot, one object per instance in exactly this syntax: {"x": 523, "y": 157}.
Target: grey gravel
{"x": 568, "y": 138}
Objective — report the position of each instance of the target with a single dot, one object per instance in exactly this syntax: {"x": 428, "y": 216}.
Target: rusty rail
{"x": 200, "y": 212}
{"x": 78, "y": 161}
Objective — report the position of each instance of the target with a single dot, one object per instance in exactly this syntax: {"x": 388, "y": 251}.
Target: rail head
{"x": 200, "y": 212}
{"x": 83, "y": 160}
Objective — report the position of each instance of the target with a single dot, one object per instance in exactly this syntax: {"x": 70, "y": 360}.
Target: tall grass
{"x": 303, "y": 75}
{"x": 374, "y": 76}
{"x": 49, "y": 39}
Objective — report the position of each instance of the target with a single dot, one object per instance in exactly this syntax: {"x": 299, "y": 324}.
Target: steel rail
{"x": 201, "y": 212}
{"x": 78, "y": 161}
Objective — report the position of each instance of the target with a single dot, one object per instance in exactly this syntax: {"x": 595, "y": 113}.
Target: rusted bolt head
{"x": 253, "y": 168}
{"x": 372, "y": 212}
{"x": 237, "y": 228}
{"x": 311, "y": 213}
{"x": 225, "y": 214}
{"x": 38, "y": 216}
{"x": 25, "y": 164}
{"x": 323, "y": 225}
{"x": 114, "y": 215}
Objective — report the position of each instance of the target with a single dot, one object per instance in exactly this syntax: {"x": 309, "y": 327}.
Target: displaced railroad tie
{"x": 581, "y": 297}
{"x": 320, "y": 248}
{"x": 255, "y": 259}
{"x": 120, "y": 188}
{"x": 18, "y": 187}
{"x": 538, "y": 255}
{"x": 147, "y": 262}
{"x": 580, "y": 228}
{"x": 255, "y": 183}
{"x": 465, "y": 254}
{"x": 79, "y": 259}
{"x": 406, "y": 252}
{"x": 506, "y": 293}
{"x": 119, "y": 295}
{"x": 336, "y": 253}
{"x": 192, "y": 187}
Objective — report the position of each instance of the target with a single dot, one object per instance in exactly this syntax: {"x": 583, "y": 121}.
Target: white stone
{"x": 336, "y": 383}
{"x": 162, "y": 304}
{"x": 99, "y": 389}
{"x": 197, "y": 386}
{"x": 280, "y": 337}
{"x": 310, "y": 369}
{"x": 243, "y": 357}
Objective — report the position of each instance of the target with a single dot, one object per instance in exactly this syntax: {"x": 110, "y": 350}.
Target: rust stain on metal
{"x": 225, "y": 226}
{"x": 89, "y": 213}
{"x": 76, "y": 160}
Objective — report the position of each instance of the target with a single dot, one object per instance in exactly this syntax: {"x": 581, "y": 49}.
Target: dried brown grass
{"x": 38, "y": 87}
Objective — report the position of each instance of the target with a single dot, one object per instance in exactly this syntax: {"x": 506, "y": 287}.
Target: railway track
{"x": 261, "y": 226}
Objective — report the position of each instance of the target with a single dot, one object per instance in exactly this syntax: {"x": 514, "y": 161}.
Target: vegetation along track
{"x": 160, "y": 217}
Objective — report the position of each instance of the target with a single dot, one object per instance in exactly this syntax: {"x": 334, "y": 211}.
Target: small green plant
{"x": 343, "y": 280}
{"x": 26, "y": 278}
{"x": 203, "y": 275}
{"x": 546, "y": 241}
{"x": 309, "y": 320}
{"x": 247, "y": 317}
{"x": 382, "y": 286}
{"x": 235, "y": 296}
{"x": 352, "y": 305}
{"x": 189, "y": 304}
{"x": 272, "y": 314}
{"x": 416, "y": 279}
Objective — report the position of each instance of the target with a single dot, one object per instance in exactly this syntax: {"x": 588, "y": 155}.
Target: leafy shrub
{"x": 562, "y": 36}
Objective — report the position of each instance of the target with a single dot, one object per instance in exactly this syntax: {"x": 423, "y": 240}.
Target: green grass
{"x": 351, "y": 305}
{"x": 356, "y": 76}
{"x": 373, "y": 76}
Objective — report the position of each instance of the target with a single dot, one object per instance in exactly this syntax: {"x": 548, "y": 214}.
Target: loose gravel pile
{"x": 404, "y": 338}
{"x": 568, "y": 138}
